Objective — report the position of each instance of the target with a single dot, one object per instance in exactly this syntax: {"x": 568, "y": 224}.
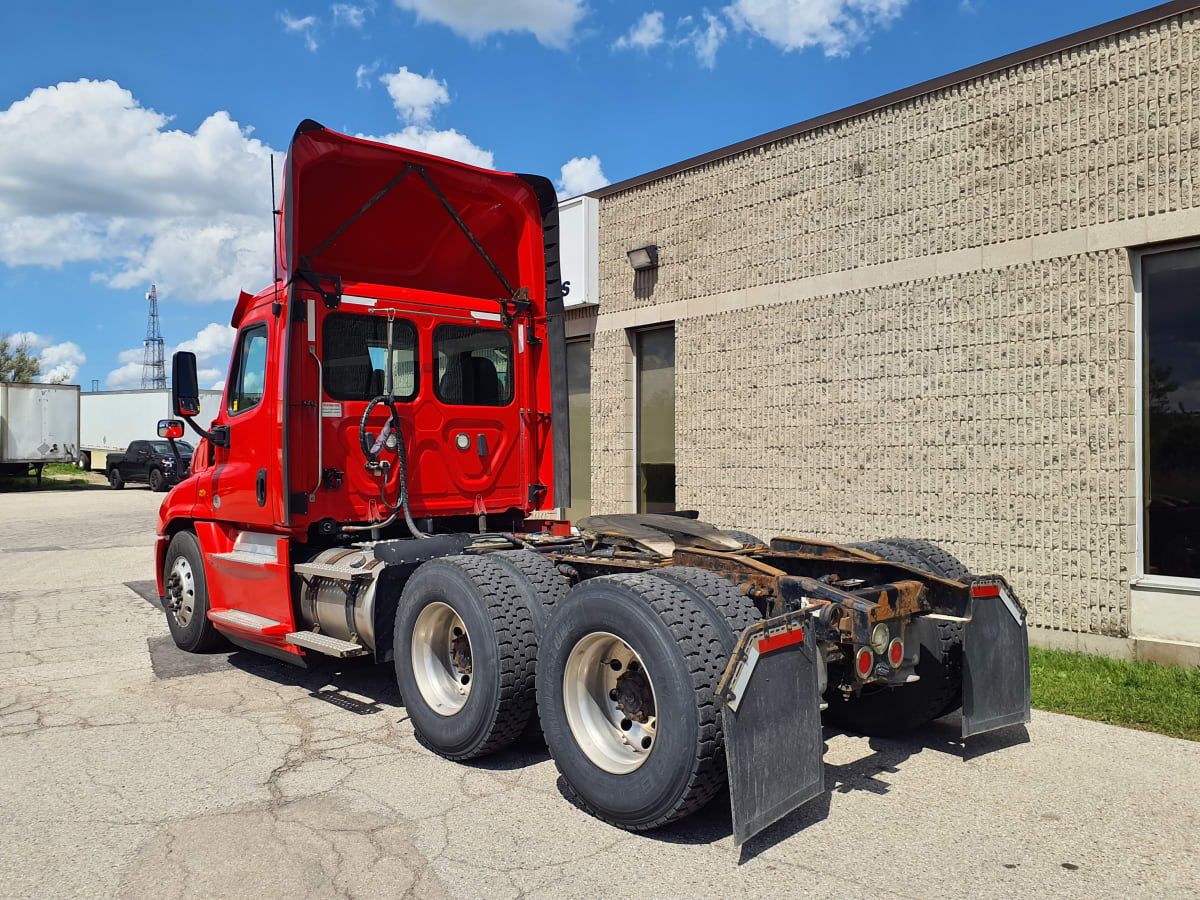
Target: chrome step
{"x": 338, "y": 573}
{"x": 324, "y": 643}
{"x": 243, "y": 556}
{"x": 242, "y": 619}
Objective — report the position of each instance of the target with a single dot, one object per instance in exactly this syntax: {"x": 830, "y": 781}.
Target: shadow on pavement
{"x": 362, "y": 687}
{"x": 715, "y": 823}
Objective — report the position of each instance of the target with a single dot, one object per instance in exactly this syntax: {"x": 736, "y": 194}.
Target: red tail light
{"x": 896, "y": 653}
{"x": 863, "y": 661}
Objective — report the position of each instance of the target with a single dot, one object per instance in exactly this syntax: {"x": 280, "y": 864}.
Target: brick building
{"x": 966, "y": 311}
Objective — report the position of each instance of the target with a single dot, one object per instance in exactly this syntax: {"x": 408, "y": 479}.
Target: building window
{"x": 655, "y": 358}
{"x": 1170, "y": 291}
{"x": 354, "y": 347}
{"x": 579, "y": 399}
{"x": 474, "y": 365}
{"x": 249, "y": 370}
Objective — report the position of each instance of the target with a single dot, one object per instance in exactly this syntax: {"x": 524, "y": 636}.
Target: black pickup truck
{"x": 150, "y": 462}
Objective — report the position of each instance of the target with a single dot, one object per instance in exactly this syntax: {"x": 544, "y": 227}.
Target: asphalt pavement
{"x": 131, "y": 769}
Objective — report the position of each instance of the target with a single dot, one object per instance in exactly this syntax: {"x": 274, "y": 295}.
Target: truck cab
{"x": 396, "y": 380}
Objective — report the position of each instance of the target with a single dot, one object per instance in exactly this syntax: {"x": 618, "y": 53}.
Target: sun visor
{"x": 368, "y": 212}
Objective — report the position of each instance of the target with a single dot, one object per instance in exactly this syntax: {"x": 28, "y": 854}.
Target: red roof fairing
{"x": 403, "y": 235}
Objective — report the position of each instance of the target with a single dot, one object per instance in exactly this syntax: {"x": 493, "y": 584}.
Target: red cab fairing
{"x": 374, "y": 214}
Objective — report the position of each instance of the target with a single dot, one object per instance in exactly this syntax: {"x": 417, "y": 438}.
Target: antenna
{"x": 154, "y": 369}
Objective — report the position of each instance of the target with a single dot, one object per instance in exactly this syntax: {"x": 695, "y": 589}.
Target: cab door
{"x": 243, "y": 474}
{"x": 479, "y": 441}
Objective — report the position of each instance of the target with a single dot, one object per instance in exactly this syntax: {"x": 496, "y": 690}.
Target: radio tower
{"x": 154, "y": 369}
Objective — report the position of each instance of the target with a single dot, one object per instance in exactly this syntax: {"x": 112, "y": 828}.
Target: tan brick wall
{"x": 1106, "y": 132}
{"x": 975, "y": 386}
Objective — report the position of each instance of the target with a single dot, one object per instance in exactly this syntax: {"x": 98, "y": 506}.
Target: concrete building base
{"x": 1164, "y": 653}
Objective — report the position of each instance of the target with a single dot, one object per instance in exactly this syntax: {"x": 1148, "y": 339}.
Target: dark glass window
{"x": 656, "y": 419}
{"x": 355, "y": 348}
{"x": 1171, "y": 423}
{"x": 579, "y": 399}
{"x": 474, "y": 365}
{"x": 249, "y": 369}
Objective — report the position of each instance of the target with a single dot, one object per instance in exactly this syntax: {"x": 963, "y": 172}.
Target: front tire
{"x": 465, "y": 650}
{"x": 638, "y": 746}
{"x": 185, "y": 600}
{"x": 115, "y": 479}
{"x": 158, "y": 481}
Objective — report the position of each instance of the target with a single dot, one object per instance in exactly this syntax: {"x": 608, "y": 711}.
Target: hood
{"x": 368, "y": 212}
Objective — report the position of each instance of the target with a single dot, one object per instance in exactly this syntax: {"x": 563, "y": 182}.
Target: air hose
{"x": 371, "y": 451}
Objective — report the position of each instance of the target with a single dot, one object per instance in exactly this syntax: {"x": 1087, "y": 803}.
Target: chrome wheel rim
{"x": 441, "y": 659}
{"x": 181, "y": 591}
{"x": 608, "y": 695}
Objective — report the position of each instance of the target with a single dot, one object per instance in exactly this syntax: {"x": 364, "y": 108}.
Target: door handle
{"x": 260, "y": 487}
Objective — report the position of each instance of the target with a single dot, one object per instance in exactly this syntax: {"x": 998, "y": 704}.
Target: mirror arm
{"x": 218, "y": 437}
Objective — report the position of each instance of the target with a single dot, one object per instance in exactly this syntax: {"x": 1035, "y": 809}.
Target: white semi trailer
{"x": 111, "y": 420}
{"x": 39, "y": 424}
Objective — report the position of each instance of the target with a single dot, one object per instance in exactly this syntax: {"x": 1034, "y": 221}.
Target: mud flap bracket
{"x": 770, "y": 704}
{"x": 995, "y": 661}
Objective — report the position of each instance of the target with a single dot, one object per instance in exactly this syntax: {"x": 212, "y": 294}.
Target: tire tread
{"x": 700, "y": 644}
{"x": 516, "y": 641}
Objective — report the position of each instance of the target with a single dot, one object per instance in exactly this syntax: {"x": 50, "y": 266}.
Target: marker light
{"x": 879, "y": 638}
{"x": 896, "y": 653}
{"x": 863, "y": 661}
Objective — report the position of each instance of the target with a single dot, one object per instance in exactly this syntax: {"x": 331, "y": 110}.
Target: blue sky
{"x": 135, "y": 137}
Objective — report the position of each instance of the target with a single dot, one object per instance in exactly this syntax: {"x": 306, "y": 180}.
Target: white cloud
{"x": 834, "y": 25}
{"x": 704, "y": 40}
{"x": 448, "y": 143}
{"x": 212, "y": 344}
{"x": 647, "y": 32}
{"x": 126, "y": 377}
{"x": 349, "y": 15}
{"x": 305, "y": 27}
{"x": 59, "y": 363}
{"x": 552, "y": 22}
{"x": 91, "y": 175}
{"x": 214, "y": 340}
{"x": 580, "y": 175}
{"x": 362, "y": 75}
{"x": 415, "y": 96}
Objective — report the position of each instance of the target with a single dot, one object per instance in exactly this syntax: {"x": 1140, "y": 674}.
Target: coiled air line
{"x": 372, "y": 450}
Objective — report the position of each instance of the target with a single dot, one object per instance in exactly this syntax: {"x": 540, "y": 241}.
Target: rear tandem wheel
{"x": 626, "y": 679}
{"x": 465, "y": 649}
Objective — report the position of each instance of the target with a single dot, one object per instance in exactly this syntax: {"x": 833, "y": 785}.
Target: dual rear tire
{"x": 620, "y": 672}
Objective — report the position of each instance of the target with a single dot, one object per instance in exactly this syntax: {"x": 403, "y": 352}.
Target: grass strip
{"x": 1164, "y": 699}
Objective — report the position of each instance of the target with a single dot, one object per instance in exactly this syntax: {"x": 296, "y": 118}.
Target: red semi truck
{"x": 396, "y": 409}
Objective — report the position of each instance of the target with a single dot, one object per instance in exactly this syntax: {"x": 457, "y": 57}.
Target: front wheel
{"x": 185, "y": 599}
{"x": 626, "y": 679}
{"x": 158, "y": 481}
{"x": 115, "y": 479}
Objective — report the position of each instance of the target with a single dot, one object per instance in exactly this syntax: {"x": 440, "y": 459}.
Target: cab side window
{"x": 249, "y": 372}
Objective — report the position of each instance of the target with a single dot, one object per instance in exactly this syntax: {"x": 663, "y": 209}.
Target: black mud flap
{"x": 771, "y": 708}
{"x": 995, "y": 661}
